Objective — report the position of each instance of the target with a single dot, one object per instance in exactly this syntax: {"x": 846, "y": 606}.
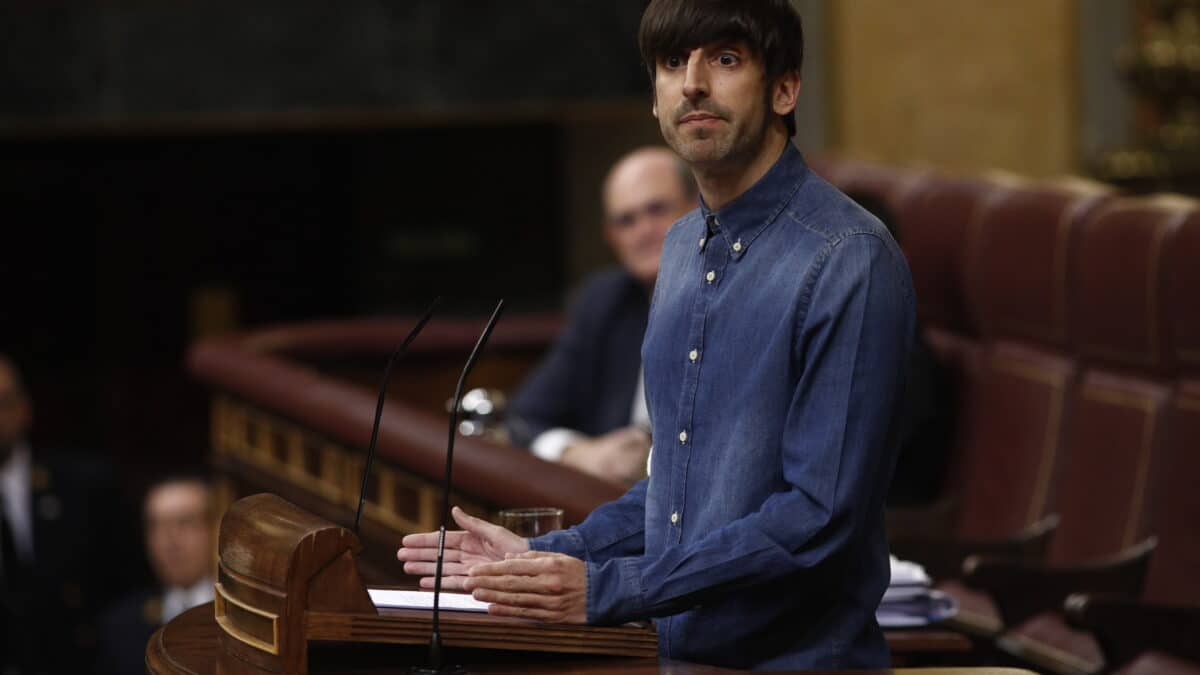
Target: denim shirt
{"x": 775, "y": 359}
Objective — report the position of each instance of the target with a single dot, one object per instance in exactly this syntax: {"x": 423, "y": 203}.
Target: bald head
{"x": 15, "y": 410}
{"x": 644, "y": 193}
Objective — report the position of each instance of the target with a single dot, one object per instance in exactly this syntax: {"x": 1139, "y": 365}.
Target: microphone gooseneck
{"x": 435, "y": 640}
{"x": 387, "y": 373}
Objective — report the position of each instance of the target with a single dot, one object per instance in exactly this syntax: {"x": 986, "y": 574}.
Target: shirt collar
{"x": 743, "y": 219}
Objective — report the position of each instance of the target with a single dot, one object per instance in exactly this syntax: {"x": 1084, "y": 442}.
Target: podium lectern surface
{"x": 287, "y": 587}
{"x": 189, "y": 644}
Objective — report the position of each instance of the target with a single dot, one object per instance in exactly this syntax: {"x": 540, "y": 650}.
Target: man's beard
{"x": 710, "y": 147}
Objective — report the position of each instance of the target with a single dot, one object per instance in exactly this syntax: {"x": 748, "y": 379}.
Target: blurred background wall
{"x": 169, "y": 170}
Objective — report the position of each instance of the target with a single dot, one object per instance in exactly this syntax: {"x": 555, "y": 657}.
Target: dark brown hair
{"x": 770, "y": 28}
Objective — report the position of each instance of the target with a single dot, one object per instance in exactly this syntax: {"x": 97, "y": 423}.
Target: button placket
{"x": 715, "y": 260}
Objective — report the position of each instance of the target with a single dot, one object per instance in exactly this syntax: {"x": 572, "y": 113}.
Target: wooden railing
{"x": 292, "y": 410}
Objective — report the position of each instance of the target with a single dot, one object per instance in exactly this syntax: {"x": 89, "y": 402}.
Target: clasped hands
{"x": 496, "y": 566}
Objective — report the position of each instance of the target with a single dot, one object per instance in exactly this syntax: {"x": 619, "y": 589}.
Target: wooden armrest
{"x": 1022, "y": 589}
{"x": 933, "y": 520}
{"x": 943, "y": 558}
{"x": 1126, "y": 627}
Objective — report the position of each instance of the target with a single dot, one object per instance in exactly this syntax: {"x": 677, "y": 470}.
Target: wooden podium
{"x": 287, "y": 578}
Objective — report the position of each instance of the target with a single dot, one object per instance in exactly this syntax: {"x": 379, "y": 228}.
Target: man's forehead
{"x": 653, "y": 178}
{"x": 172, "y": 498}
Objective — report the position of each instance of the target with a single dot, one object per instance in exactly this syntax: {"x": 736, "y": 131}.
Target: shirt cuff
{"x": 614, "y": 591}
{"x": 568, "y": 542}
{"x": 552, "y": 443}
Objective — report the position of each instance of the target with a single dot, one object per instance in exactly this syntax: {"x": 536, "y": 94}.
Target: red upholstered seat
{"x": 936, "y": 221}
{"x": 1175, "y": 571}
{"x": 1158, "y": 634}
{"x": 1026, "y": 373}
{"x": 1183, "y": 298}
{"x": 1021, "y": 376}
{"x": 1117, "y": 431}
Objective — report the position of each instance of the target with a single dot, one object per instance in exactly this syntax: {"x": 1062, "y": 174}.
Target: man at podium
{"x": 774, "y": 358}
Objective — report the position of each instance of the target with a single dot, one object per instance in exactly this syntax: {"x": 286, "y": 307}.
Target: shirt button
{"x": 675, "y": 518}
{"x": 693, "y": 355}
{"x": 710, "y": 277}
{"x": 737, "y": 246}
{"x": 702, "y": 240}
{"x": 683, "y": 437}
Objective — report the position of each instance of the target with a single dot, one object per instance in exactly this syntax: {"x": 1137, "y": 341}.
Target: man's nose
{"x": 695, "y": 81}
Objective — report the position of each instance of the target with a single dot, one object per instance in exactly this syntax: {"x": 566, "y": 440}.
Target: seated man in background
{"x": 583, "y": 406}
{"x": 177, "y": 515}
{"x": 60, "y": 555}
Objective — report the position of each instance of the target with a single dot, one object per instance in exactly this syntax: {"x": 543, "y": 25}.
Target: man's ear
{"x": 654, "y": 108}
{"x": 787, "y": 90}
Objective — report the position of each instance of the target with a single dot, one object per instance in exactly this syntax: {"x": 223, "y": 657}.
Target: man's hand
{"x": 478, "y": 542}
{"x": 535, "y": 585}
{"x": 618, "y": 456}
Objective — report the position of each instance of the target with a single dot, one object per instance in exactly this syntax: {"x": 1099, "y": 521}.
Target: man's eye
{"x": 673, "y": 61}
{"x": 727, "y": 59}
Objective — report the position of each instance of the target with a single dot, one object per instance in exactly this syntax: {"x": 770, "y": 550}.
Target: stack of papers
{"x": 459, "y": 602}
{"x": 909, "y": 601}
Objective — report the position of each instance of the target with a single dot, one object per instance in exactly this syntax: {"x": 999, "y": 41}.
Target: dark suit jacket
{"x": 124, "y": 631}
{"x": 80, "y": 560}
{"x": 588, "y": 379}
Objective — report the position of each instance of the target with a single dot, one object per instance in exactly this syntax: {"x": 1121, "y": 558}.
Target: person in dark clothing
{"x": 58, "y": 545}
{"x": 179, "y": 532}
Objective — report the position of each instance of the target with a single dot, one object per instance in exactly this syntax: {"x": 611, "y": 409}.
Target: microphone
{"x": 387, "y": 373}
{"x": 435, "y": 639}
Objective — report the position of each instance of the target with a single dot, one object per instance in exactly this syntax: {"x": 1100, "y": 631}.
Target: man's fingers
{"x": 532, "y": 600}
{"x": 430, "y": 568}
{"x": 544, "y": 584}
{"x": 430, "y": 539}
{"x": 450, "y": 554}
{"x": 448, "y": 583}
{"x": 478, "y": 526}
{"x": 550, "y": 615}
{"x": 520, "y": 565}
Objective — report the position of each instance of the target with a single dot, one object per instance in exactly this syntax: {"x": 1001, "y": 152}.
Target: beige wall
{"x": 959, "y": 84}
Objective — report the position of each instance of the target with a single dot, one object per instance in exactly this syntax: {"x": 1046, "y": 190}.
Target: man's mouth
{"x": 699, "y": 118}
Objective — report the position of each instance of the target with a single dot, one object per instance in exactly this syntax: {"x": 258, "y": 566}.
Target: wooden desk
{"x": 188, "y": 644}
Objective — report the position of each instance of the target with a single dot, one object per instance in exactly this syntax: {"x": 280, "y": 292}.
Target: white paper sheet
{"x": 460, "y": 602}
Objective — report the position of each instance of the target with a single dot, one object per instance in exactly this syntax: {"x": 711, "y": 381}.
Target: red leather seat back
{"x": 1118, "y": 425}
{"x": 1175, "y": 569}
{"x": 1019, "y": 260}
{"x": 1013, "y": 429}
{"x": 936, "y": 223}
{"x": 1017, "y": 405}
{"x": 1183, "y": 297}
